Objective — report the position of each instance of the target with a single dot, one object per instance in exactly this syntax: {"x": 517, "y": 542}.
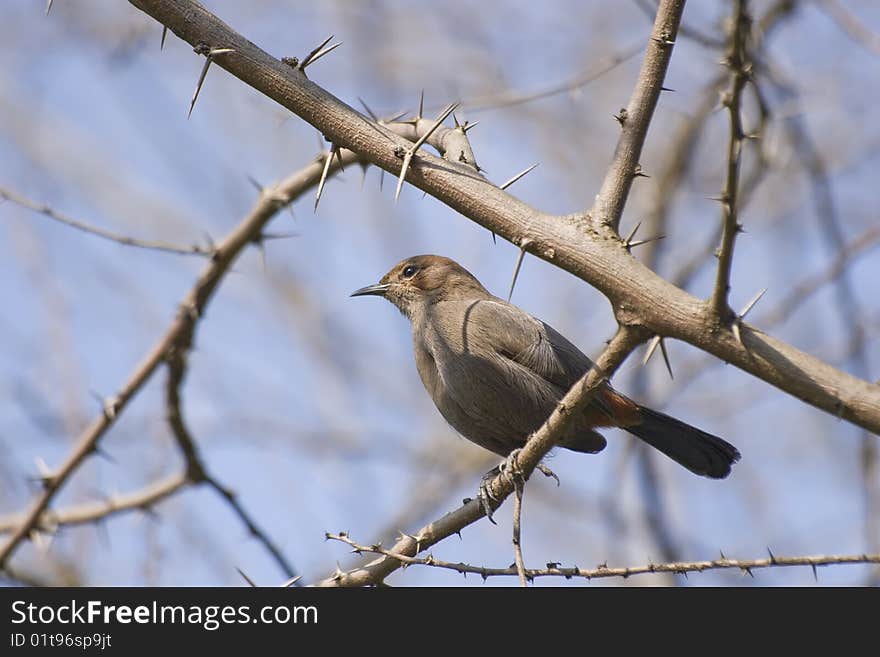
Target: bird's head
{"x": 422, "y": 280}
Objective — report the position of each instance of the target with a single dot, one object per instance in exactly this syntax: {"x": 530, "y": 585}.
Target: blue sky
{"x": 306, "y": 401}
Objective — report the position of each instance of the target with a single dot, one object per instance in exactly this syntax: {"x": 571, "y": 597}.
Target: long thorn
{"x": 48, "y": 7}
{"x": 752, "y": 303}
{"x": 652, "y": 347}
{"x": 421, "y": 104}
{"x": 164, "y": 34}
{"x": 204, "y": 72}
{"x": 632, "y": 233}
{"x": 308, "y": 58}
{"x": 369, "y": 111}
{"x": 321, "y": 54}
{"x": 209, "y": 57}
{"x": 403, "y": 168}
{"x": 518, "y": 176}
{"x": 519, "y": 260}
{"x": 666, "y": 357}
{"x": 321, "y": 182}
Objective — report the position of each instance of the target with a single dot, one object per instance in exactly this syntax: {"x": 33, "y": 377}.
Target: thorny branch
{"x": 737, "y": 59}
{"x": 589, "y": 250}
{"x": 746, "y": 566}
{"x": 636, "y": 117}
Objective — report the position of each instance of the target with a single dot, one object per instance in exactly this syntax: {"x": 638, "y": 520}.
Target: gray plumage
{"x": 496, "y": 373}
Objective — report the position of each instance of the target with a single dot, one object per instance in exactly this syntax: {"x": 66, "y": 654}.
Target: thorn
{"x": 369, "y": 111}
{"x": 209, "y": 53}
{"x": 621, "y": 116}
{"x": 323, "y": 180}
{"x": 403, "y": 168}
{"x": 638, "y": 173}
{"x": 518, "y": 176}
{"x": 645, "y": 241}
{"x": 667, "y": 89}
{"x": 666, "y": 358}
{"x": 421, "y": 104}
{"x": 100, "y": 451}
{"x": 652, "y": 347}
{"x": 246, "y": 578}
{"x": 815, "y": 573}
{"x": 381, "y": 178}
{"x": 468, "y": 126}
{"x": 407, "y": 158}
{"x": 313, "y": 56}
{"x": 736, "y": 332}
{"x": 494, "y": 240}
{"x": 751, "y": 303}
{"x": 256, "y": 185}
{"x": 519, "y": 259}
{"x": 48, "y": 7}
{"x": 628, "y": 241}
{"x": 455, "y": 121}
{"x": 395, "y": 117}
{"x": 772, "y": 558}
{"x": 164, "y": 33}
{"x": 293, "y": 580}
{"x": 723, "y": 558}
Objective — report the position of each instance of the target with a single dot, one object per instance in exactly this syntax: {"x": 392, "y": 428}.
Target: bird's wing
{"x": 532, "y": 344}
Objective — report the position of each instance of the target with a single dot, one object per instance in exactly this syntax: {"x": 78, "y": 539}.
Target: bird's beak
{"x": 379, "y": 290}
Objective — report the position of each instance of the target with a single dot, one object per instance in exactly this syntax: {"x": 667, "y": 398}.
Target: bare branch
{"x": 144, "y": 499}
{"x": 604, "y": 572}
{"x": 47, "y": 211}
{"x": 624, "y": 167}
{"x": 190, "y": 311}
{"x": 737, "y": 59}
{"x": 638, "y": 296}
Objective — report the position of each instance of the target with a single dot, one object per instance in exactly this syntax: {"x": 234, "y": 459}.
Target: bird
{"x": 496, "y": 373}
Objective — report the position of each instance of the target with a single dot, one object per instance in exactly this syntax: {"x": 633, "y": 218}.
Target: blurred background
{"x": 307, "y": 403}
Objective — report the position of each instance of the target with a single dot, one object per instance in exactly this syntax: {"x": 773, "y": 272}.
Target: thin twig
{"x": 517, "y": 533}
{"x": 47, "y": 211}
{"x": 740, "y": 67}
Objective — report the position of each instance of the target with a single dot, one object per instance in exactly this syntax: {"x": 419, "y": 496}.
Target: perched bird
{"x": 496, "y": 373}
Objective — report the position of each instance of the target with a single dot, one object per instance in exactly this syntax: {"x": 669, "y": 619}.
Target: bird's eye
{"x": 409, "y": 271}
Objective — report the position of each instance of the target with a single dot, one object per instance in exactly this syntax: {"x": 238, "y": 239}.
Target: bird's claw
{"x": 547, "y": 472}
{"x": 484, "y": 494}
{"x": 510, "y": 469}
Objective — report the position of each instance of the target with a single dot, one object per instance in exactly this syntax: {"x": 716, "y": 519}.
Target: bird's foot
{"x": 484, "y": 494}
{"x": 511, "y": 471}
{"x": 547, "y": 472}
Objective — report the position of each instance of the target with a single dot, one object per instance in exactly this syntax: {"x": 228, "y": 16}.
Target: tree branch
{"x": 603, "y": 571}
{"x": 593, "y": 253}
{"x": 624, "y": 167}
{"x": 737, "y": 59}
{"x": 47, "y": 211}
{"x": 191, "y": 309}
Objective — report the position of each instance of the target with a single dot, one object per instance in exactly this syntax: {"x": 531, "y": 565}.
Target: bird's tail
{"x": 698, "y": 451}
